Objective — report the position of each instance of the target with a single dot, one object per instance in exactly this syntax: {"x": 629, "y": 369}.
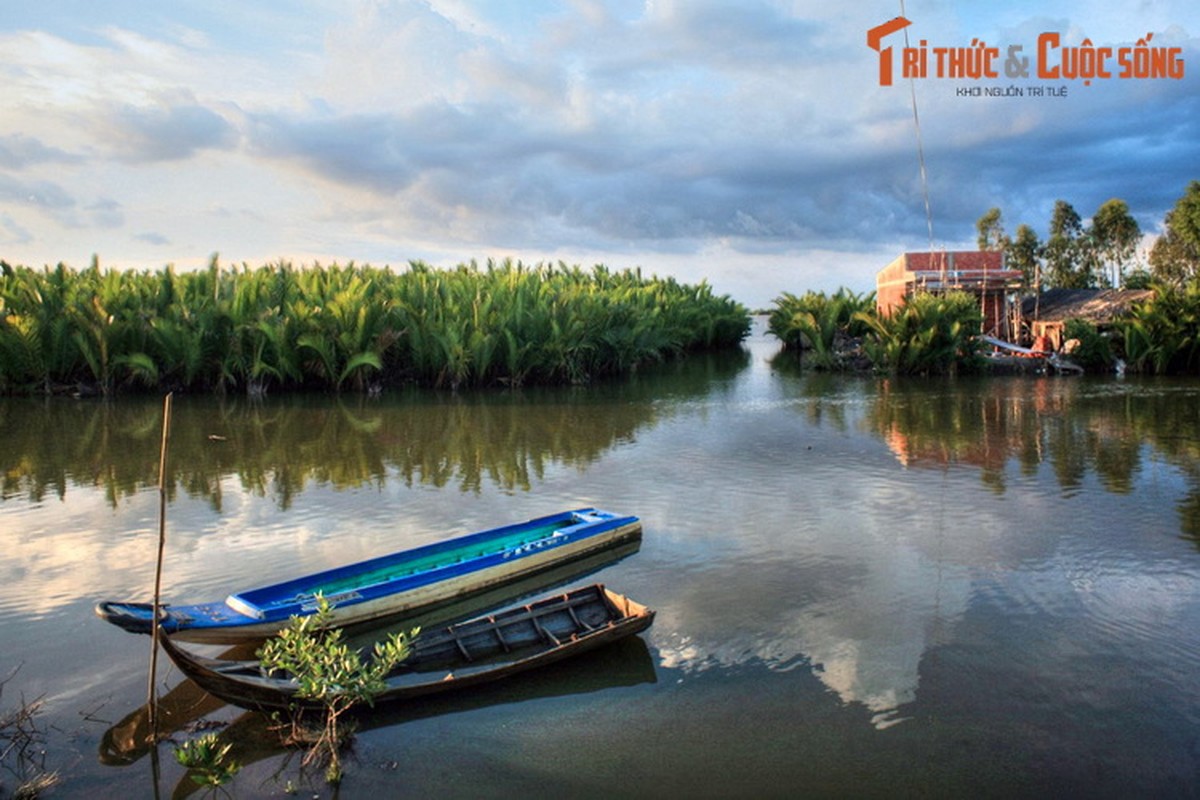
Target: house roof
{"x": 1095, "y": 305}
{"x": 955, "y": 260}
{"x": 971, "y": 270}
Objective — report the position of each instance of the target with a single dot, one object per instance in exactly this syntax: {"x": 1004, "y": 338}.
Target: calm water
{"x": 864, "y": 587}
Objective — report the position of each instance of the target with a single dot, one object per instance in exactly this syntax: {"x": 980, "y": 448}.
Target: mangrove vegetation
{"x": 332, "y": 676}
{"x": 936, "y": 334}
{"x": 929, "y": 335}
{"x": 821, "y": 327}
{"x": 345, "y": 327}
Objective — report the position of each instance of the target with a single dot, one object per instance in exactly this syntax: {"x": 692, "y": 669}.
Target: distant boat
{"x": 402, "y": 583}
{"x": 462, "y": 655}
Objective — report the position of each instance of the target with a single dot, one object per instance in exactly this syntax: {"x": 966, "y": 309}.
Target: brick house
{"x": 976, "y": 272}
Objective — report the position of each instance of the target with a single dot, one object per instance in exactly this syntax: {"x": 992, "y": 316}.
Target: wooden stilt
{"x": 151, "y": 699}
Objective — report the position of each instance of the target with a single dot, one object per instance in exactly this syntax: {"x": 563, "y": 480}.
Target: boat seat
{"x": 500, "y": 637}
{"x": 545, "y": 634}
{"x": 462, "y": 648}
{"x": 578, "y": 622}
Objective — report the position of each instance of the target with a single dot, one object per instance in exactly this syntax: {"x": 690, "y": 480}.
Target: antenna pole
{"x": 912, "y": 88}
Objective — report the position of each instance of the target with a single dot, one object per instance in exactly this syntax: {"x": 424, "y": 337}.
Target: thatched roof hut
{"x": 1049, "y": 312}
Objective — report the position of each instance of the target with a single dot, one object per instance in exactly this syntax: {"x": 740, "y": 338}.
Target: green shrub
{"x": 207, "y": 761}
{"x": 329, "y": 672}
{"x": 931, "y": 334}
{"x": 815, "y": 324}
{"x": 1162, "y": 335}
{"x": 1093, "y": 351}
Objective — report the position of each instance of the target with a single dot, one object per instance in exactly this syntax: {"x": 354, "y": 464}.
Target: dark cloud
{"x": 384, "y": 153}
{"x": 527, "y": 178}
{"x": 604, "y": 185}
{"x": 156, "y": 239}
{"x": 169, "y": 131}
{"x": 18, "y": 151}
{"x": 1145, "y": 158}
{"x": 106, "y": 213}
{"x": 35, "y": 193}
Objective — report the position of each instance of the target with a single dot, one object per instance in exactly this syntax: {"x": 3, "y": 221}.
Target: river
{"x": 864, "y": 586}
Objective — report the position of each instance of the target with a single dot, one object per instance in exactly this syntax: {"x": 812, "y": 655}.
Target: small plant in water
{"x": 22, "y": 752}
{"x": 207, "y": 761}
{"x": 330, "y": 674}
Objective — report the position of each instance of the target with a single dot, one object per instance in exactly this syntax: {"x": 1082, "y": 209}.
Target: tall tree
{"x": 1112, "y": 240}
{"x": 1023, "y": 252}
{"x": 990, "y": 228}
{"x": 1175, "y": 257}
{"x": 1173, "y": 260}
{"x": 1186, "y": 218}
{"x": 1065, "y": 261}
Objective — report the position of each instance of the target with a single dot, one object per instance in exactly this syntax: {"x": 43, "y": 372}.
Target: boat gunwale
{"x": 243, "y": 602}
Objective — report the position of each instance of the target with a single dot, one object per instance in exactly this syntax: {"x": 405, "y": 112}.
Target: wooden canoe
{"x": 398, "y": 584}
{"x": 128, "y": 739}
{"x": 458, "y": 656}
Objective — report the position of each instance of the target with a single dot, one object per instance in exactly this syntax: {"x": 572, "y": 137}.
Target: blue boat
{"x": 399, "y": 584}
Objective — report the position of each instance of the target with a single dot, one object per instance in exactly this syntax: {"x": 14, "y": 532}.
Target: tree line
{"x": 1102, "y": 253}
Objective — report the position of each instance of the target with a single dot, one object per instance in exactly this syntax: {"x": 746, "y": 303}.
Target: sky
{"x": 748, "y": 143}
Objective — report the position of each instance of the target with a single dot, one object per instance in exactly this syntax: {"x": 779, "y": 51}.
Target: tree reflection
{"x": 1072, "y": 427}
{"x": 277, "y": 447}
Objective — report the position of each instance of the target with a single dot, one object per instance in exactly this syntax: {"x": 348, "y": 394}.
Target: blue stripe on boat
{"x": 491, "y": 555}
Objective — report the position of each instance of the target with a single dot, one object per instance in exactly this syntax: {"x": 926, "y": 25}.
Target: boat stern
{"x": 132, "y": 617}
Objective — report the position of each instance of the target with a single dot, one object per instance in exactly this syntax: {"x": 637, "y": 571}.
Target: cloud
{"x": 627, "y": 140}
{"x": 36, "y": 193}
{"x": 644, "y": 131}
{"x": 171, "y": 129}
{"x": 156, "y": 239}
{"x": 12, "y": 232}
{"x": 18, "y": 151}
{"x": 1025, "y": 161}
{"x": 106, "y": 213}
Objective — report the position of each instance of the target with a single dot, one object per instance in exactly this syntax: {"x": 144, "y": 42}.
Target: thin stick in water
{"x": 151, "y": 700}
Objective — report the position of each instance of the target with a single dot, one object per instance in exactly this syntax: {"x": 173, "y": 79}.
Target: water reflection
{"x": 255, "y": 737}
{"x": 1076, "y": 427}
{"x": 279, "y": 446}
{"x": 870, "y": 511}
{"x": 859, "y": 610}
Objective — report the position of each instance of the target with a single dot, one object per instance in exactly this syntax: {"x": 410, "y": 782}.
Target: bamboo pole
{"x": 151, "y": 700}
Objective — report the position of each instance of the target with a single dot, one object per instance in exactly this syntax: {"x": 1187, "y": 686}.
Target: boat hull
{"x": 414, "y": 581}
{"x": 460, "y": 656}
